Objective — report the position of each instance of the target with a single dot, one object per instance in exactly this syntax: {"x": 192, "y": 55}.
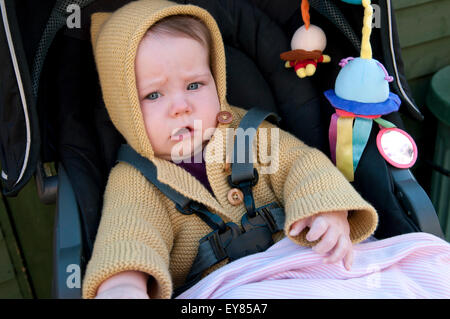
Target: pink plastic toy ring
{"x": 397, "y": 147}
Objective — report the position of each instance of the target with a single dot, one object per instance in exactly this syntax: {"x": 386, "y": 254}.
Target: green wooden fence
{"x": 26, "y": 240}
{"x": 424, "y": 32}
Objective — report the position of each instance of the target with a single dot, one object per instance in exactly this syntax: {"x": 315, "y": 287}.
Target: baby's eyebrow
{"x": 196, "y": 75}
{"x": 155, "y": 82}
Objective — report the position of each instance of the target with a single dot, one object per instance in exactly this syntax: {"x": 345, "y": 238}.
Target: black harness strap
{"x": 243, "y": 175}
{"x": 242, "y": 171}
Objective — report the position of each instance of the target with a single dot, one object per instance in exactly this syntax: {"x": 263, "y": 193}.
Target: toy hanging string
{"x": 366, "y": 49}
{"x": 305, "y": 13}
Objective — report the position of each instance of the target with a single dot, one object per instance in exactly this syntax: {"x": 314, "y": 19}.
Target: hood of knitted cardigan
{"x": 115, "y": 39}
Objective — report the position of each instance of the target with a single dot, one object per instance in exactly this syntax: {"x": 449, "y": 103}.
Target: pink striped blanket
{"x": 415, "y": 265}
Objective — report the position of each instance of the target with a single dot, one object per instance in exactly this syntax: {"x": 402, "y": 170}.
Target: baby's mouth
{"x": 181, "y": 133}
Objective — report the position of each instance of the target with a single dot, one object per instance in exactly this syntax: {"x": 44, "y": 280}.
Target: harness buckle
{"x": 253, "y": 181}
{"x": 255, "y": 240}
{"x": 220, "y": 240}
{"x": 186, "y": 210}
{"x": 262, "y": 218}
{"x": 268, "y": 218}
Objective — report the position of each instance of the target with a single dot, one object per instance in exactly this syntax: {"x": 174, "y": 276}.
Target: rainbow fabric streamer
{"x": 348, "y": 138}
{"x": 344, "y": 153}
{"x": 361, "y": 133}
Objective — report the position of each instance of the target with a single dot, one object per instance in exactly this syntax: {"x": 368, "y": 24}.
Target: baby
{"x": 162, "y": 71}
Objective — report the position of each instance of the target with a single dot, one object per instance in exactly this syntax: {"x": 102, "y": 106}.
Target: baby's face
{"x": 176, "y": 87}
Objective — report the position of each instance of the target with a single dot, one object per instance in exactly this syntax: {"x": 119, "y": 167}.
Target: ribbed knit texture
{"x": 140, "y": 228}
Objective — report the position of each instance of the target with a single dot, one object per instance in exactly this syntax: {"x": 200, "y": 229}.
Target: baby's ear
{"x": 97, "y": 20}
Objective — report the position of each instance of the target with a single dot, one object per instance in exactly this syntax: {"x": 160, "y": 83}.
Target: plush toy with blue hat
{"x": 361, "y": 95}
{"x": 362, "y": 88}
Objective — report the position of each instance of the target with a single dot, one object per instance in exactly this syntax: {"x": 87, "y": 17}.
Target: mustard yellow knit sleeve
{"x": 135, "y": 233}
{"x": 307, "y": 183}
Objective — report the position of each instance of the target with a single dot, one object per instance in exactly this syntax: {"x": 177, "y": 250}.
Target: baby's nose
{"x": 179, "y": 107}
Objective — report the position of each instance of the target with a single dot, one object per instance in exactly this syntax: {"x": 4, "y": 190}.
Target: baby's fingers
{"x": 341, "y": 250}
{"x": 298, "y": 226}
{"x": 318, "y": 227}
{"x": 348, "y": 260}
{"x": 327, "y": 243}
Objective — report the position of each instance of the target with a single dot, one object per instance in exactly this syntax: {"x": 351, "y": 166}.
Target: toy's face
{"x": 176, "y": 90}
{"x": 312, "y": 39}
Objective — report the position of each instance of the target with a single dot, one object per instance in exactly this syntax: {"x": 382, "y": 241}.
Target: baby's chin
{"x": 183, "y": 155}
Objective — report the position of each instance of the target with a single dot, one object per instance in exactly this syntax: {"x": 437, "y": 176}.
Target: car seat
{"x": 53, "y": 108}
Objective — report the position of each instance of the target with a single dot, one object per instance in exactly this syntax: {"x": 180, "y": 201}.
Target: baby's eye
{"x": 153, "y": 96}
{"x": 193, "y": 86}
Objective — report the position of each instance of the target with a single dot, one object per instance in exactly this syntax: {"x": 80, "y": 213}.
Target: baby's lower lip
{"x": 182, "y": 136}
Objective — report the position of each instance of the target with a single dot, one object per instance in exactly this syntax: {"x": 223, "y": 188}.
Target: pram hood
{"x": 116, "y": 37}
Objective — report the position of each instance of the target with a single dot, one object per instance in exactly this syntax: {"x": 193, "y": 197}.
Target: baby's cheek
{"x": 154, "y": 133}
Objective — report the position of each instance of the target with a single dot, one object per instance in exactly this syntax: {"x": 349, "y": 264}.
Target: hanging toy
{"x": 361, "y": 96}
{"x": 307, "y": 46}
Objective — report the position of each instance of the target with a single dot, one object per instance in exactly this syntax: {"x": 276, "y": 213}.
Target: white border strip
{"x": 20, "y": 84}
{"x": 391, "y": 44}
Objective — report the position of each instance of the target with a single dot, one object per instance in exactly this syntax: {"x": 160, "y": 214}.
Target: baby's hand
{"x": 124, "y": 291}
{"x": 124, "y": 285}
{"x": 334, "y": 231}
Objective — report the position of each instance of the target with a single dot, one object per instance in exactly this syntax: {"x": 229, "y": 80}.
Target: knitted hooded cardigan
{"x": 140, "y": 228}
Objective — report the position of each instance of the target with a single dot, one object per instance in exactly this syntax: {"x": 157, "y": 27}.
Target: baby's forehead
{"x": 181, "y": 26}
{"x": 152, "y": 37}
{"x": 162, "y": 61}
{"x": 156, "y": 48}
{"x": 162, "y": 46}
